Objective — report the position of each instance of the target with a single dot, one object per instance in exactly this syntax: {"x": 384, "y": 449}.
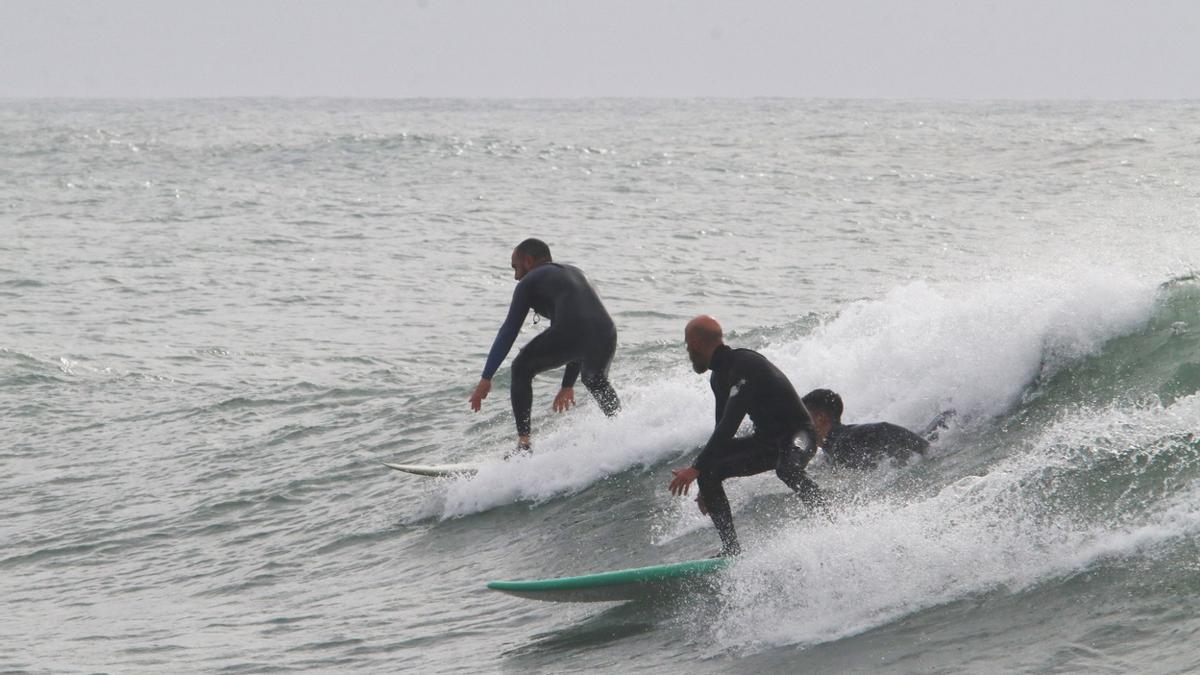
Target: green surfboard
{"x": 621, "y": 585}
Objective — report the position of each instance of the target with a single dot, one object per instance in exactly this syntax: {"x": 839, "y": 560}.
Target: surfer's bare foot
{"x": 524, "y": 447}
{"x": 729, "y": 551}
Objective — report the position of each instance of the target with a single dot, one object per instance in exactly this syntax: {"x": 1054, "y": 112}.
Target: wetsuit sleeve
{"x": 721, "y": 396}
{"x": 571, "y": 374}
{"x": 731, "y": 415}
{"x": 517, "y": 311}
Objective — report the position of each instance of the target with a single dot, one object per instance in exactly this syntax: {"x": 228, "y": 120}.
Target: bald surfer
{"x": 581, "y": 337}
{"x": 745, "y": 383}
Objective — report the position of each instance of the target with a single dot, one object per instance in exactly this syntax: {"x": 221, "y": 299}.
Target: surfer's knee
{"x": 522, "y": 369}
{"x": 708, "y": 482}
{"x": 594, "y": 382}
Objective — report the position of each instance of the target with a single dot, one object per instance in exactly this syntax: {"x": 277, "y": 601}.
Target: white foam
{"x": 882, "y": 560}
{"x": 657, "y": 421}
{"x": 920, "y": 349}
{"x": 973, "y": 347}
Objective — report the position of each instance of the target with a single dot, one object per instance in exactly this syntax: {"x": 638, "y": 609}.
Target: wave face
{"x": 1084, "y": 488}
{"x": 973, "y": 348}
{"x": 1095, "y": 494}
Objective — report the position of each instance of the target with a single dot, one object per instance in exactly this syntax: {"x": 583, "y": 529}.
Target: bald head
{"x": 703, "y": 335}
{"x": 703, "y": 328}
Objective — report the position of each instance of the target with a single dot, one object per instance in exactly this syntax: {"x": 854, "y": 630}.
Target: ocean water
{"x": 218, "y": 317}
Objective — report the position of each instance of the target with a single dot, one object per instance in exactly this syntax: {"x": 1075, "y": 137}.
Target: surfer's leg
{"x": 594, "y": 373}
{"x": 741, "y": 457}
{"x": 548, "y": 350}
{"x": 793, "y": 458}
{"x": 802, "y": 485}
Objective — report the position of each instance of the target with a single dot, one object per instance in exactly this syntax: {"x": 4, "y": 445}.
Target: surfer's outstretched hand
{"x": 564, "y": 399}
{"x": 481, "y": 391}
{"x": 682, "y": 482}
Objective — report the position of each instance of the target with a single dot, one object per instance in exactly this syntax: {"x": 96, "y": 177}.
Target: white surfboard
{"x": 435, "y": 470}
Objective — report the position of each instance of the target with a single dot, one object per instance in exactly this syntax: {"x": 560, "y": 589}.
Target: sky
{"x": 946, "y": 49}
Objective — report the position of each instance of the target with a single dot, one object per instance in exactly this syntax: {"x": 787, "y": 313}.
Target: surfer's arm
{"x": 507, "y": 335}
{"x": 570, "y": 375}
{"x": 733, "y": 412}
{"x": 730, "y": 412}
{"x": 720, "y": 396}
{"x": 517, "y": 311}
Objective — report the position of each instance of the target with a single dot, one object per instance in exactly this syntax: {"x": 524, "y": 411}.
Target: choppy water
{"x": 218, "y": 317}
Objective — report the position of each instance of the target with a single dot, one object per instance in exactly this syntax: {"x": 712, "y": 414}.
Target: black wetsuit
{"x": 581, "y": 336}
{"x": 746, "y": 383}
{"x": 861, "y": 446}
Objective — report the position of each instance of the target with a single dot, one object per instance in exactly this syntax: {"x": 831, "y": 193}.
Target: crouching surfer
{"x": 745, "y": 383}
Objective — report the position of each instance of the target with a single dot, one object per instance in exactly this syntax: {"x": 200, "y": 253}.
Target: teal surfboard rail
{"x": 618, "y": 585}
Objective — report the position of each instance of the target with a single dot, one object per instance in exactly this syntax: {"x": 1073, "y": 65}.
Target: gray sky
{"x": 571, "y": 48}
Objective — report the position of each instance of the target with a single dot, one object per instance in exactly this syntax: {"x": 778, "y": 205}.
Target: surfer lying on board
{"x": 581, "y": 336}
{"x": 861, "y": 446}
{"x": 745, "y": 383}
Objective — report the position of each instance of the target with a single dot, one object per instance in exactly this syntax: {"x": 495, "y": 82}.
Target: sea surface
{"x": 218, "y": 317}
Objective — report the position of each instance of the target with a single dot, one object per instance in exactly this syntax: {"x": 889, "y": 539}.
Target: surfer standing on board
{"x": 744, "y": 383}
{"x": 581, "y": 336}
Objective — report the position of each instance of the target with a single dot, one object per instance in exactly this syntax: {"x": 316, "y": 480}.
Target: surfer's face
{"x": 698, "y": 357}
{"x": 521, "y": 265}
{"x": 823, "y": 423}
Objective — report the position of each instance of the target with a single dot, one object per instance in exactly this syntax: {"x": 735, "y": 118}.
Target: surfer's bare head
{"x": 703, "y": 335}
{"x": 528, "y": 255}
